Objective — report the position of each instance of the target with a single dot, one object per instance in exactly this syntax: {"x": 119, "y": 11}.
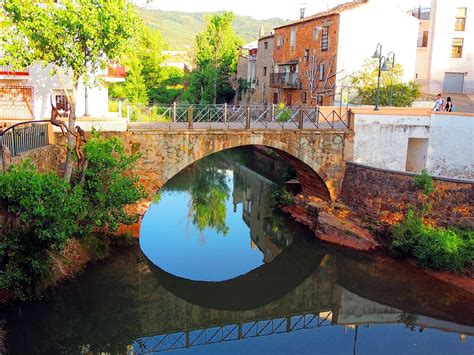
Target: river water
{"x": 218, "y": 271}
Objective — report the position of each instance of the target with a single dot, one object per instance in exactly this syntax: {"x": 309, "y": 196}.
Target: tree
{"x": 215, "y": 58}
{"x": 321, "y": 75}
{"x": 365, "y": 84}
{"x": 77, "y": 37}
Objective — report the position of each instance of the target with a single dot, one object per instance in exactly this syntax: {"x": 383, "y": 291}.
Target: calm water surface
{"x": 218, "y": 271}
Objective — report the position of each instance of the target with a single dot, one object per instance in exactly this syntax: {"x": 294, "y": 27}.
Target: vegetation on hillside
{"x": 181, "y": 28}
{"x": 433, "y": 247}
{"x": 44, "y": 212}
{"x": 365, "y": 84}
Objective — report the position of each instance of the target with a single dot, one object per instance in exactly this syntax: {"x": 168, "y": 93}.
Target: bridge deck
{"x": 235, "y": 126}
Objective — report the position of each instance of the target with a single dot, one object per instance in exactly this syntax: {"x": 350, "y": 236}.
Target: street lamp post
{"x": 392, "y": 62}
{"x": 381, "y": 67}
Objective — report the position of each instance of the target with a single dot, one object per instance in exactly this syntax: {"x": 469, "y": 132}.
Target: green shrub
{"x": 43, "y": 209}
{"x": 424, "y": 182}
{"x": 434, "y": 248}
{"x": 107, "y": 187}
{"x": 282, "y": 198}
{"x": 97, "y": 246}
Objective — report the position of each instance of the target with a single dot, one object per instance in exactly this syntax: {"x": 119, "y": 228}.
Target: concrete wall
{"x": 381, "y": 141}
{"x": 442, "y": 31}
{"x": 423, "y": 57}
{"x": 385, "y": 196}
{"x": 360, "y": 30}
{"x": 263, "y": 92}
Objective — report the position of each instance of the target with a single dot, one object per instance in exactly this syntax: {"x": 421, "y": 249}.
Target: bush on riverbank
{"x": 44, "y": 212}
{"x": 433, "y": 247}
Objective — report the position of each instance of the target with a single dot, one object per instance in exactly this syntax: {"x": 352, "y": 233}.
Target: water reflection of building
{"x": 254, "y": 191}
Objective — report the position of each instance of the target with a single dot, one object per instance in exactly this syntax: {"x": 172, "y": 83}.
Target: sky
{"x": 262, "y": 9}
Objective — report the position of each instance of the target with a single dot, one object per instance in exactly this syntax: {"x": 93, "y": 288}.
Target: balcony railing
{"x": 285, "y": 80}
{"x": 10, "y": 70}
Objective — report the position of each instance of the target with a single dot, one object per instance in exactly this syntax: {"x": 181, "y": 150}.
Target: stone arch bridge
{"x": 317, "y": 156}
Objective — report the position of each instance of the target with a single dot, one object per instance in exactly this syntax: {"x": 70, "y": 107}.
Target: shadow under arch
{"x": 311, "y": 180}
{"x": 254, "y": 289}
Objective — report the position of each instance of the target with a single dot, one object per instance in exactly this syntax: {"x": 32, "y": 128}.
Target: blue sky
{"x": 261, "y": 9}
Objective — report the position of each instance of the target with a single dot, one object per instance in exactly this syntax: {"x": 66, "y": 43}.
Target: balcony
{"x": 14, "y": 73}
{"x": 288, "y": 80}
{"x": 115, "y": 74}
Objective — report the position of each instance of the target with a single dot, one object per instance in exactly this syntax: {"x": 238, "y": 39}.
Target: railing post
{"x": 225, "y": 113}
{"x": 301, "y": 118}
{"x": 247, "y": 118}
{"x": 190, "y": 117}
{"x": 174, "y": 111}
{"x": 128, "y": 112}
{"x": 273, "y": 112}
{"x": 120, "y": 109}
{"x": 13, "y": 142}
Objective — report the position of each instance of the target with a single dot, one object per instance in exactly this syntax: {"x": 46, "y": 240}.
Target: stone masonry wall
{"x": 44, "y": 159}
{"x": 385, "y": 196}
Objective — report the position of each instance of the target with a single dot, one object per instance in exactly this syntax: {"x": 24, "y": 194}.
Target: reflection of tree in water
{"x": 206, "y": 181}
{"x": 209, "y": 194}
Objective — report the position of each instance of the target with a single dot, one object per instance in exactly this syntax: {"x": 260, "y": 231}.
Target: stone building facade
{"x": 262, "y": 93}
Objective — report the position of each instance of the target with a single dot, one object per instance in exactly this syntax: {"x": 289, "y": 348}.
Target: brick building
{"x": 315, "y": 55}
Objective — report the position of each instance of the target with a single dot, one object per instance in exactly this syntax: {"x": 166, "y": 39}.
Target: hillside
{"x": 180, "y": 28}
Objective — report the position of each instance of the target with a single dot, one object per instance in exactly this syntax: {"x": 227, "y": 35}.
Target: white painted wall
{"x": 360, "y": 30}
{"x": 381, "y": 141}
{"x": 442, "y": 32}
{"x": 42, "y": 83}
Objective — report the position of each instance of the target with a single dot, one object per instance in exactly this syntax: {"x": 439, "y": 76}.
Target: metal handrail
{"x": 29, "y": 140}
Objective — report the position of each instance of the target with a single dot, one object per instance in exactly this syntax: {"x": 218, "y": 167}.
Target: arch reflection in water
{"x": 214, "y": 221}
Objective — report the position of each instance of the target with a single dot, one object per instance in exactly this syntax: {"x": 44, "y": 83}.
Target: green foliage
{"x": 425, "y": 182}
{"x": 365, "y": 84}
{"x": 435, "y": 248}
{"x": 107, "y": 188}
{"x": 44, "y": 208}
{"x": 80, "y": 35}
{"x": 97, "y": 246}
{"x": 183, "y": 27}
{"x": 283, "y": 114}
{"x": 44, "y": 212}
{"x": 282, "y": 198}
{"x": 215, "y": 59}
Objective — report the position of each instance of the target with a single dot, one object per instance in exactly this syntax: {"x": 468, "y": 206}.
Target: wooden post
{"x": 190, "y": 117}
{"x": 273, "y": 112}
{"x": 247, "y": 119}
{"x": 225, "y": 113}
{"x": 51, "y": 138}
{"x": 128, "y": 112}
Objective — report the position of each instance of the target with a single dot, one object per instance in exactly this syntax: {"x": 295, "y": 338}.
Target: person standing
{"x": 438, "y": 103}
{"x": 449, "y": 105}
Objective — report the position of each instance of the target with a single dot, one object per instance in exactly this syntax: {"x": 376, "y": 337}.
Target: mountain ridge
{"x": 179, "y": 29}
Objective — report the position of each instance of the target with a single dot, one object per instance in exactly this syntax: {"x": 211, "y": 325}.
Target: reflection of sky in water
{"x": 174, "y": 244}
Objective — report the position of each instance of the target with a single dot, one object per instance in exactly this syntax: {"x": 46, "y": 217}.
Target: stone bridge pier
{"x": 318, "y": 157}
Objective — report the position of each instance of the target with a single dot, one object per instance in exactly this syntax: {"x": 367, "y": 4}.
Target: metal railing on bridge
{"x": 226, "y": 116}
{"x": 231, "y": 332}
{"x": 24, "y": 136}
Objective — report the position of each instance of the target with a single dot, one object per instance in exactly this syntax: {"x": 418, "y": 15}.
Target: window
{"x": 303, "y": 97}
{"x": 325, "y": 39}
{"x": 279, "y": 42}
{"x": 456, "y": 47}
{"x": 264, "y": 71}
{"x": 265, "y": 44}
{"x": 423, "y": 40}
{"x": 322, "y": 68}
{"x": 293, "y": 38}
{"x": 306, "y": 56}
{"x": 460, "y": 24}
{"x": 316, "y": 33}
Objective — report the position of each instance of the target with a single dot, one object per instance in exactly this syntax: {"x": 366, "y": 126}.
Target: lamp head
{"x": 377, "y": 52}
{"x": 384, "y": 65}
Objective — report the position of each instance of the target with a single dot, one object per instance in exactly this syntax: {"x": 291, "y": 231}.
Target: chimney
{"x": 302, "y": 12}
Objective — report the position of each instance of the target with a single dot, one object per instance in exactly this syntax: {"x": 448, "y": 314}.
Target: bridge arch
{"x": 317, "y": 157}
